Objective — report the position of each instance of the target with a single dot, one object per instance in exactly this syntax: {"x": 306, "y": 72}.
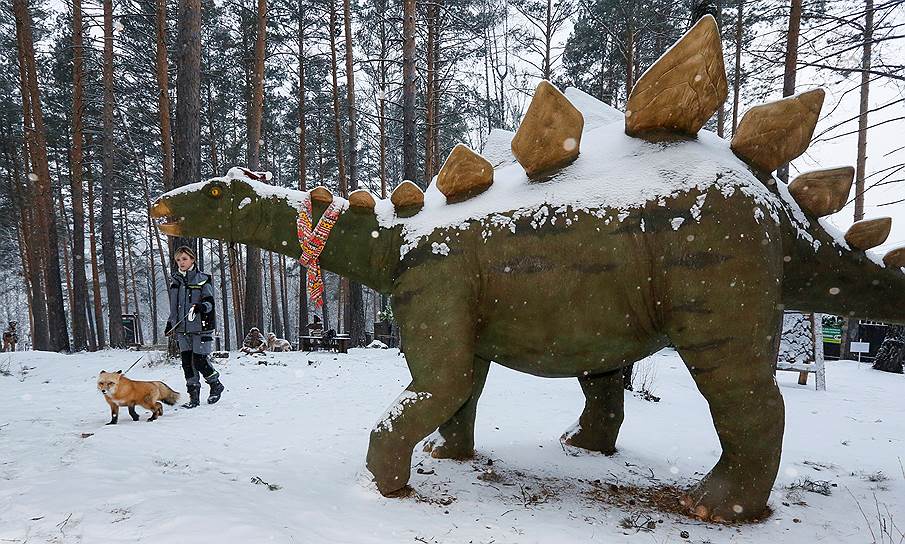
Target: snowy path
{"x": 66, "y": 477}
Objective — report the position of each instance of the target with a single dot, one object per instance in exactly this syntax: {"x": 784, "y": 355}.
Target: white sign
{"x": 860, "y": 347}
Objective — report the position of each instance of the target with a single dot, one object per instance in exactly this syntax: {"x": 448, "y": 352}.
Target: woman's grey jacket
{"x": 193, "y": 332}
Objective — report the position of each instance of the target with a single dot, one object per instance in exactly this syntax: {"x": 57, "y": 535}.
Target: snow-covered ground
{"x": 301, "y": 424}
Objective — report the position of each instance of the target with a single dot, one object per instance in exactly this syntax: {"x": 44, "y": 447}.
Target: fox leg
{"x": 457, "y": 434}
{"x": 599, "y": 423}
{"x": 114, "y": 411}
{"x": 155, "y": 407}
{"x": 442, "y": 368}
{"x": 133, "y": 413}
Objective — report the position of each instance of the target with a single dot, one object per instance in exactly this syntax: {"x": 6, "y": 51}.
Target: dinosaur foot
{"x": 723, "y": 502}
{"x": 389, "y": 485}
{"x": 389, "y": 463}
{"x": 441, "y": 448}
{"x": 590, "y": 440}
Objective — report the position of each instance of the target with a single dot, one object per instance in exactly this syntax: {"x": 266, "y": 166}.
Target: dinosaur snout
{"x": 167, "y": 223}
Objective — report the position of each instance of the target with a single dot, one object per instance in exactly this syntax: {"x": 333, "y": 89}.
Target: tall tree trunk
{"x": 284, "y": 296}
{"x": 629, "y": 57}
{"x": 337, "y": 132}
{"x": 26, "y": 197}
{"x": 254, "y": 307}
{"x": 80, "y": 286}
{"x": 122, "y": 252}
{"x": 350, "y": 98}
{"x": 356, "y": 301}
{"x": 215, "y": 164}
{"x": 108, "y": 237}
{"x": 163, "y": 96}
{"x": 187, "y": 134}
{"x": 224, "y": 297}
{"x": 737, "y": 77}
{"x": 343, "y": 314}
{"x": 236, "y": 291}
{"x": 430, "y": 87}
{"x": 140, "y": 338}
{"x": 866, "y": 58}
{"x": 408, "y": 90}
{"x": 720, "y": 113}
{"x": 548, "y": 42}
{"x": 67, "y": 240}
{"x": 275, "y": 311}
{"x": 92, "y": 331}
{"x": 95, "y": 269}
{"x": 850, "y": 332}
{"x": 56, "y": 312}
{"x": 302, "y": 164}
{"x": 791, "y": 66}
{"x": 152, "y": 294}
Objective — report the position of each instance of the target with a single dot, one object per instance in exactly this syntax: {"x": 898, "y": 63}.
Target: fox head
{"x": 107, "y": 382}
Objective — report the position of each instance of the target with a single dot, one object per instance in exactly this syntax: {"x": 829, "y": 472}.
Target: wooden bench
{"x": 339, "y": 343}
{"x": 807, "y": 368}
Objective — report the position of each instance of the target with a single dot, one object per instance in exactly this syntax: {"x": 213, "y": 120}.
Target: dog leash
{"x": 173, "y": 328}
{"x": 133, "y": 364}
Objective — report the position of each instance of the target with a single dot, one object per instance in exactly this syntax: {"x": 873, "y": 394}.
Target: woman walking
{"x": 192, "y": 320}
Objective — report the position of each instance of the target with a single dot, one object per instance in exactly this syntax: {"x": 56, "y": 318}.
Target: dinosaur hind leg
{"x": 599, "y": 423}
{"x": 456, "y": 439}
{"x": 748, "y": 413}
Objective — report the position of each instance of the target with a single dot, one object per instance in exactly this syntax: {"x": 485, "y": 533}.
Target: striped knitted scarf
{"x": 312, "y": 239}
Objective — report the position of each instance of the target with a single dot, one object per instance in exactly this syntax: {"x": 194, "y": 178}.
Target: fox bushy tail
{"x": 167, "y": 395}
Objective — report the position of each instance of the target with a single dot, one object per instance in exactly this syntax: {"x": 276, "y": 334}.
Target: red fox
{"x": 119, "y": 390}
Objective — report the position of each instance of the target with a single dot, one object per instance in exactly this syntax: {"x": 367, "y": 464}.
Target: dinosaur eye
{"x": 215, "y": 192}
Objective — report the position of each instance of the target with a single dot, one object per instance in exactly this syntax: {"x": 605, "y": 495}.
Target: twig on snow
{"x": 63, "y": 523}
{"x": 869, "y": 528}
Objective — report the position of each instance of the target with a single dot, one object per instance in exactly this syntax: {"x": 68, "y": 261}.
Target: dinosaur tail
{"x": 825, "y": 272}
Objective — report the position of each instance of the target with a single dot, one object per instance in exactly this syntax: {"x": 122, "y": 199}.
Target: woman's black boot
{"x": 216, "y": 391}
{"x": 194, "y": 397}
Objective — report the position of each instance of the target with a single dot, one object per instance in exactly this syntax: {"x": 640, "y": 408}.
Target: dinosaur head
{"x": 234, "y": 208}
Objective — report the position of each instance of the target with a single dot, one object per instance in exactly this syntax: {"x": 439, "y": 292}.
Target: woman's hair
{"x": 186, "y": 250}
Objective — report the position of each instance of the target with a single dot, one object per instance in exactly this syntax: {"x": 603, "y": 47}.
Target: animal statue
{"x": 639, "y": 230}
{"x": 275, "y": 343}
{"x": 254, "y": 342}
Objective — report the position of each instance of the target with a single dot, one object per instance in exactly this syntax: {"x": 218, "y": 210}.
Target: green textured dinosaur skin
{"x": 618, "y": 289}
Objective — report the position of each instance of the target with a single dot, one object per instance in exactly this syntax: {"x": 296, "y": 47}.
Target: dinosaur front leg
{"x": 599, "y": 423}
{"x": 439, "y": 340}
{"x": 457, "y": 434}
{"x": 748, "y": 414}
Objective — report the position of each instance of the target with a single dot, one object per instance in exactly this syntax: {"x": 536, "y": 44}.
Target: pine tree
{"x": 47, "y": 222}
{"x": 80, "y": 299}
{"x": 254, "y": 307}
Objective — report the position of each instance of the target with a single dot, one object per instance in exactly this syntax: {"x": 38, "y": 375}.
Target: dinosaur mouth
{"x": 167, "y": 222}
